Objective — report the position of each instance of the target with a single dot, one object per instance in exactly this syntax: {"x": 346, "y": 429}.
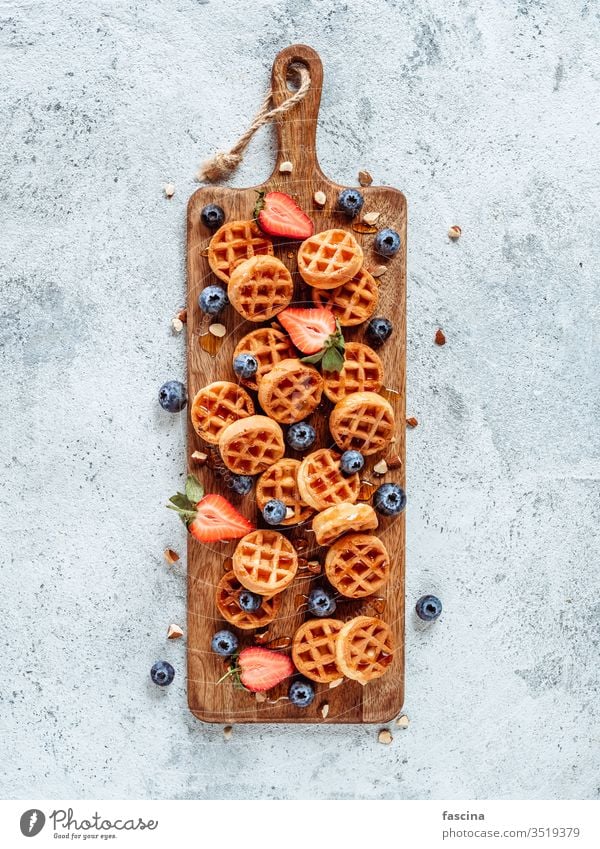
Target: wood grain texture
{"x": 379, "y": 701}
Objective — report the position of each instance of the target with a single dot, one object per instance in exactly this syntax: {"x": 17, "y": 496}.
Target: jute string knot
{"x": 219, "y": 166}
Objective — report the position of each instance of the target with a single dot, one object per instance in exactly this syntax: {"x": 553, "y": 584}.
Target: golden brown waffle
{"x": 353, "y": 302}
{"x": 249, "y": 446}
{"x": 363, "y": 422}
{"x": 233, "y": 243}
{"x": 357, "y": 565}
{"x": 280, "y": 481}
{"x": 218, "y": 405}
{"x": 265, "y": 562}
{"x": 362, "y": 372}
{"x": 321, "y": 483}
{"x": 269, "y": 346}
{"x": 364, "y": 649}
{"x": 313, "y": 650}
{"x": 290, "y": 391}
{"x": 330, "y": 258}
{"x": 260, "y": 287}
{"x": 228, "y": 590}
{"x": 340, "y": 519}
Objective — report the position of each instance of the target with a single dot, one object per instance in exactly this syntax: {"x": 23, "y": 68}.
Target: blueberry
{"x": 212, "y": 216}
{"x": 350, "y": 201}
{"x": 321, "y": 602}
{"x": 387, "y": 242}
{"x": 212, "y": 300}
{"x": 389, "y": 499}
{"x": 162, "y": 673}
{"x": 428, "y": 607}
{"x": 301, "y": 693}
{"x": 379, "y": 330}
{"x": 172, "y": 396}
{"x": 274, "y": 511}
{"x": 242, "y": 484}
{"x": 301, "y": 436}
{"x": 224, "y": 643}
{"x": 351, "y": 462}
{"x": 249, "y": 601}
{"x": 245, "y": 365}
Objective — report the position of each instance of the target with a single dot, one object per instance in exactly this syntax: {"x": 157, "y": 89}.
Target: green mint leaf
{"x": 314, "y": 358}
{"x": 194, "y": 489}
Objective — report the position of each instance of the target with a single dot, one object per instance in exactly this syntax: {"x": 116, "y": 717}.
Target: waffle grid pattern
{"x": 217, "y": 406}
{"x": 353, "y": 302}
{"x": 357, "y": 565}
{"x": 362, "y": 372}
{"x": 330, "y": 258}
{"x": 364, "y": 422}
{"x": 321, "y": 482}
{"x": 265, "y": 562}
{"x": 313, "y": 650}
{"x": 290, "y": 391}
{"x": 233, "y": 243}
{"x": 281, "y": 481}
{"x": 367, "y": 648}
{"x": 269, "y": 346}
{"x": 228, "y": 590}
{"x": 260, "y": 287}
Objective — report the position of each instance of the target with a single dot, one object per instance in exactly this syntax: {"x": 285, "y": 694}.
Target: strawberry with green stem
{"x": 258, "y": 669}
{"x": 279, "y": 215}
{"x": 317, "y": 333}
{"x": 208, "y": 518}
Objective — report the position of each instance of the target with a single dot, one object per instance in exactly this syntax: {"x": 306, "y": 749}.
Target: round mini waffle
{"x": 269, "y": 346}
{"x": 251, "y": 445}
{"x": 362, "y": 372}
{"x": 233, "y": 243}
{"x": 364, "y": 649}
{"x": 353, "y": 302}
{"x": 363, "y": 422}
{"x": 218, "y": 405}
{"x": 265, "y": 562}
{"x": 227, "y": 594}
{"x": 357, "y": 565}
{"x": 329, "y": 259}
{"x": 290, "y": 391}
{"x": 280, "y": 481}
{"x": 341, "y": 518}
{"x": 260, "y": 287}
{"x": 321, "y": 483}
{"x": 313, "y": 650}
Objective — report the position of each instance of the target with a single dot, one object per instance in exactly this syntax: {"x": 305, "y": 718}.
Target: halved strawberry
{"x": 208, "y": 517}
{"x": 279, "y": 215}
{"x": 309, "y": 329}
{"x": 261, "y": 669}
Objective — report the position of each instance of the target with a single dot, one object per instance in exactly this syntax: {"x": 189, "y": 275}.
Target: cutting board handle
{"x": 297, "y": 129}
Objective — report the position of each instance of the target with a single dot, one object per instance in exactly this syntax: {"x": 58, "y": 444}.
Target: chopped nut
{"x": 286, "y": 167}
{"x": 171, "y": 556}
{"x": 218, "y": 330}
{"x": 379, "y": 270}
{"x": 200, "y": 457}
{"x": 403, "y": 721}
{"x": 385, "y": 736}
{"x": 177, "y": 325}
{"x": 359, "y": 227}
{"x": 314, "y": 566}
{"x": 412, "y": 421}
{"x": 454, "y": 232}
{"x": 260, "y": 697}
{"x": 182, "y": 315}
{"x": 394, "y": 461}
{"x": 380, "y": 468}
{"x": 169, "y": 190}
{"x": 371, "y": 217}
{"x": 289, "y": 513}
{"x": 325, "y": 710}
{"x": 228, "y": 732}
{"x": 336, "y": 683}
{"x": 364, "y": 178}
{"x": 174, "y": 632}
{"x": 440, "y": 339}
{"x": 320, "y": 198}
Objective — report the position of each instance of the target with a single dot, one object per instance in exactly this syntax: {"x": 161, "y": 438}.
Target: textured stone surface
{"x": 485, "y": 115}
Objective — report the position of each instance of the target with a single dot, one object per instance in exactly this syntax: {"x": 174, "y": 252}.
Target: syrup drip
{"x": 366, "y": 490}
{"x": 261, "y": 638}
{"x": 211, "y": 344}
{"x": 228, "y": 564}
{"x": 301, "y": 544}
{"x": 300, "y": 602}
{"x": 389, "y": 393}
{"x": 280, "y": 643}
{"x": 378, "y": 604}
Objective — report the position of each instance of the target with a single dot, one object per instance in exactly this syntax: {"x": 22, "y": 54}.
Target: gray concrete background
{"x": 485, "y": 114}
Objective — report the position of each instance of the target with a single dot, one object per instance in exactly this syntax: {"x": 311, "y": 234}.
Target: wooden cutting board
{"x": 380, "y": 700}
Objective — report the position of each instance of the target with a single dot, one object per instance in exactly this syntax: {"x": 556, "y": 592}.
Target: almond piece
{"x": 177, "y": 325}
{"x": 182, "y": 315}
{"x": 385, "y": 736}
{"x": 286, "y": 167}
{"x": 371, "y": 217}
{"x": 440, "y": 338}
{"x": 171, "y": 556}
{"x": 169, "y": 190}
{"x": 174, "y": 632}
{"x": 378, "y": 270}
{"x": 218, "y": 330}
{"x": 380, "y": 468}
{"x": 454, "y": 232}
{"x": 200, "y": 457}
{"x": 325, "y": 710}
{"x": 260, "y": 697}
{"x": 320, "y": 198}
{"x": 412, "y": 421}
{"x": 403, "y": 721}
{"x": 394, "y": 461}
{"x": 364, "y": 178}
{"x": 289, "y": 513}
{"x": 336, "y": 683}
{"x": 228, "y": 732}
